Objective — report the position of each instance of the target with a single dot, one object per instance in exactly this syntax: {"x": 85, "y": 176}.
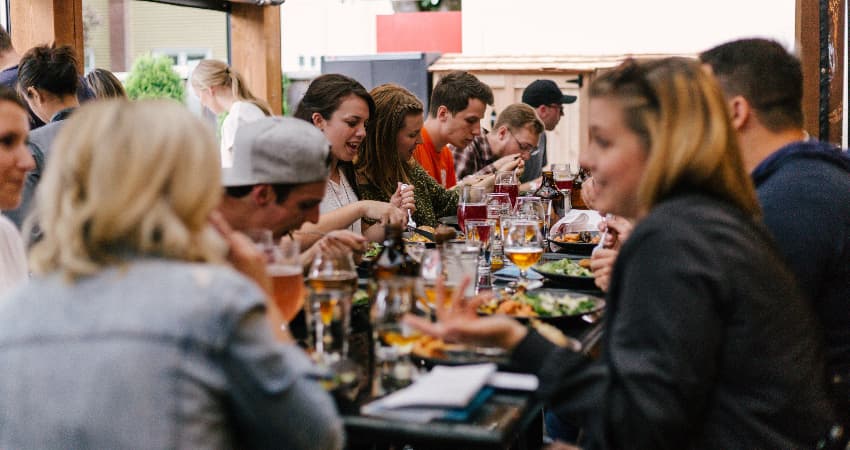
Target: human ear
{"x": 318, "y": 121}
{"x": 262, "y": 194}
{"x": 739, "y": 111}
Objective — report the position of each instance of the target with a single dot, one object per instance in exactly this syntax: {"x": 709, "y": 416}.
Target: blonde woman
{"x": 134, "y": 331}
{"x": 708, "y": 343}
{"x": 221, "y": 89}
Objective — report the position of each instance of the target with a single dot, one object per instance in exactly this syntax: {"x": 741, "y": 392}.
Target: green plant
{"x": 284, "y": 89}
{"x": 154, "y": 78}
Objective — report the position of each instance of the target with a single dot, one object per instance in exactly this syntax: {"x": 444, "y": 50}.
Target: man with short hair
{"x": 9, "y": 59}
{"x": 457, "y": 107}
{"x": 548, "y": 101}
{"x": 513, "y": 139}
{"x": 803, "y": 185}
{"x": 280, "y": 168}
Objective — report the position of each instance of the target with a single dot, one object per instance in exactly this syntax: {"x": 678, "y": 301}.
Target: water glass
{"x": 392, "y": 337}
{"x": 332, "y": 280}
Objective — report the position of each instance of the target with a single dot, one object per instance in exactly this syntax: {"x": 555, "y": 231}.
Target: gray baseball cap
{"x": 277, "y": 150}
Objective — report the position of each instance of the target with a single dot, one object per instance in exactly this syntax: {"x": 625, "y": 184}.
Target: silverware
{"x": 410, "y": 222}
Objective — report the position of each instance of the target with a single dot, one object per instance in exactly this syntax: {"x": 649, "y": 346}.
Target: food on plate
{"x": 373, "y": 250}
{"x": 566, "y": 267}
{"x": 416, "y": 237}
{"x": 430, "y": 347}
{"x": 585, "y": 237}
{"x": 539, "y": 304}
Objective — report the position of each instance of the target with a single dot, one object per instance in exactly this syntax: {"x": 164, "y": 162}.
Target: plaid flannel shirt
{"x": 476, "y": 158}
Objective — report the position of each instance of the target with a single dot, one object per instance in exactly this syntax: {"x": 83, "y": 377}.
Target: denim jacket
{"x": 153, "y": 354}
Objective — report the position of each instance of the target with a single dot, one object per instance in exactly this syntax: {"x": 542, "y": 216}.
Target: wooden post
{"x": 39, "y": 22}
{"x": 255, "y": 50}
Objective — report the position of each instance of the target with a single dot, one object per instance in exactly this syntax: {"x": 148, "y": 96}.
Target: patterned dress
{"x": 432, "y": 200}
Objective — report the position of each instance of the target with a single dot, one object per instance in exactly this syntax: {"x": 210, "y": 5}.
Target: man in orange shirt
{"x": 457, "y": 107}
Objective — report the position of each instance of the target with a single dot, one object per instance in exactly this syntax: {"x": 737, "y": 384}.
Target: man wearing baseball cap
{"x": 547, "y": 100}
{"x": 278, "y": 177}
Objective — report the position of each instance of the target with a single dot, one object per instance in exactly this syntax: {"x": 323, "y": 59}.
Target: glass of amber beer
{"x": 332, "y": 280}
{"x": 284, "y": 269}
{"x": 524, "y": 245}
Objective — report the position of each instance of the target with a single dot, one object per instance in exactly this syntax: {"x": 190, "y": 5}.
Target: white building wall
{"x": 311, "y": 29}
{"x": 510, "y": 27}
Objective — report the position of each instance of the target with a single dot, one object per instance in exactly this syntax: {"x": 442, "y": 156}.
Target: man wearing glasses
{"x": 548, "y": 101}
{"x": 513, "y": 140}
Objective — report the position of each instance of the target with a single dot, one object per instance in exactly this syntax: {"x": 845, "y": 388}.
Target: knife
{"x": 422, "y": 233}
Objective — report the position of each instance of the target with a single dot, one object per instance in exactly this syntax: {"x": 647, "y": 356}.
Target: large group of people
{"x": 136, "y": 312}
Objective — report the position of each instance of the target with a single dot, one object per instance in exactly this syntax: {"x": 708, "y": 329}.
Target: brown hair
{"x": 51, "y": 69}
{"x": 105, "y": 84}
{"x": 517, "y": 116}
{"x": 455, "y": 90}
{"x": 678, "y": 111}
{"x": 765, "y": 74}
{"x": 5, "y": 41}
{"x": 378, "y": 162}
{"x": 325, "y": 94}
{"x": 210, "y": 73}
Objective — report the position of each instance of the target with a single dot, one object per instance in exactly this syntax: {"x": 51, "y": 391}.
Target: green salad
{"x": 373, "y": 250}
{"x": 565, "y": 266}
{"x": 539, "y": 304}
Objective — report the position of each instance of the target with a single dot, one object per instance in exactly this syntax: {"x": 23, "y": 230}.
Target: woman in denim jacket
{"x": 134, "y": 333}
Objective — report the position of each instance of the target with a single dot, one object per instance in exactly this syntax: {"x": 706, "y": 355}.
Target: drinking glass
{"x": 393, "y": 338}
{"x": 482, "y": 231}
{"x": 472, "y": 205}
{"x": 507, "y": 182}
{"x": 460, "y": 260}
{"x": 332, "y": 280}
{"x": 430, "y": 270}
{"x": 283, "y": 267}
{"x": 531, "y": 208}
{"x": 562, "y": 175}
{"x": 524, "y": 245}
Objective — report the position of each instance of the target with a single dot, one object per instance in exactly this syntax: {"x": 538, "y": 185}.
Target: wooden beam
{"x": 255, "y": 49}
{"x": 40, "y": 22}
{"x": 808, "y": 39}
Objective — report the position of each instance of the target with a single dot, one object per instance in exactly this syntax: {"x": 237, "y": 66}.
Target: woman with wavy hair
{"x": 134, "y": 331}
{"x": 385, "y": 161}
{"x": 708, "y": 342}
{"x": 221, "y": 89}
{"x": 341, "y": 107}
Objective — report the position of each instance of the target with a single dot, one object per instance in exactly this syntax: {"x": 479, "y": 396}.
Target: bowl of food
{"x": 567, "y": 272}
{"x": 558, "y": 307}
{"x": 581, "y": 243}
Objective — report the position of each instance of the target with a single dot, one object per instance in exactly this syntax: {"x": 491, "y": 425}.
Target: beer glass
{"x": 524, "y": 245}
{"x": 283, "y": 267}
{"x": 332, "y": 280}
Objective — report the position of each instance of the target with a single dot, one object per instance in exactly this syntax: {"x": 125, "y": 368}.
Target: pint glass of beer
{"x": 284, "y": 269}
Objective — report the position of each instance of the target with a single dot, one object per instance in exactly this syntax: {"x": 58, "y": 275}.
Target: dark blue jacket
{"x": 804, "y": 190}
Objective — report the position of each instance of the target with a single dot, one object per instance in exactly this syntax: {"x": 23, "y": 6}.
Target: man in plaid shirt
{"x": 512, "y": 141}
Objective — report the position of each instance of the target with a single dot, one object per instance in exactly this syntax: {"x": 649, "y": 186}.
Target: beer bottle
{"x": 548, "y": 190}
{"x": 393, "y": 260}
{"x": 575, "y": 195}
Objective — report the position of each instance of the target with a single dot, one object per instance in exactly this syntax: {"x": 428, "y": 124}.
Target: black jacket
{"x": 708, "y": 344}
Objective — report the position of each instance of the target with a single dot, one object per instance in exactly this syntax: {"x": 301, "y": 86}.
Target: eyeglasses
{"x": 526, "y": 148}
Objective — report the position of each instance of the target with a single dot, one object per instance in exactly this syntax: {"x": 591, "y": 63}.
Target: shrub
{"x": 154, "y": 78}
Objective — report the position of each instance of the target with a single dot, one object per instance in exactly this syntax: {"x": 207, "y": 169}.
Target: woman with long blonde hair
{"x": 133, "y": 331}
{"x": 708, "y": 342}
{"x": 221, "y": 89}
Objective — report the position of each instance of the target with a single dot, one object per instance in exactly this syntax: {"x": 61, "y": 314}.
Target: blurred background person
{"x": 677, "y": 368}
{"x": 104, "y": 84}
{"x": 15, "y": 162}
{"x": 340, "y": 106}
{"x": 221, "y": 89}
{"x": 9, "y": 59}
{"x": 48, "y": 81}
{"x": 548, "y": 102}
{"x": 457, "y": 107}
{"x": 803, "y": 185}
{"x": 385, "y": 161}
{"x": 134, "y": 310}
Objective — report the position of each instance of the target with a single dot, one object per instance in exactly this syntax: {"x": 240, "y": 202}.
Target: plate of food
{"x": 555, "y": 306}
{"x": 429, "y": 351}
{"x": 581, "y": 243}
{"x": 449, "y": 221}
{"x": 567, "y": 272}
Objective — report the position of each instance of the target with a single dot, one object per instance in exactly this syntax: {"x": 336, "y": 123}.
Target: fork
{"x": 410, "y": 222}
{"x": 604, "y": 235}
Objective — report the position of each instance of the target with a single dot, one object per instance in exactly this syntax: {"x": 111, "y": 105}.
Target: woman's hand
{"x": 383, "y": 212}
{"x": 404, "y": 198}
{"x": 619, "y": 229}
{"x": 458, "y": 321}
{"x": 601, "y": 264}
